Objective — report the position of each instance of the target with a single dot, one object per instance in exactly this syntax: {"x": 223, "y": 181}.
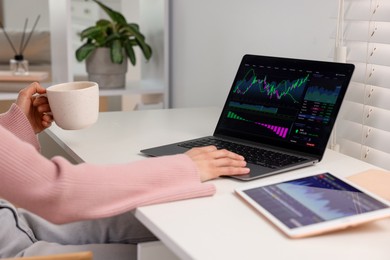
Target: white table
{"x": 221, "y": 226}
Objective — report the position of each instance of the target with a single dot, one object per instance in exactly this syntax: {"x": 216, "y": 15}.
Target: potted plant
{"x": 109, "y": 43}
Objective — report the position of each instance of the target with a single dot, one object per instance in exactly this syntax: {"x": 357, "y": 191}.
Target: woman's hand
{"x": 35, "y": 107}
{"x": 213, "y": 163}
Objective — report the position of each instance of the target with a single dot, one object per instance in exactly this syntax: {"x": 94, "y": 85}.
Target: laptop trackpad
{"x": 255, "y": 172}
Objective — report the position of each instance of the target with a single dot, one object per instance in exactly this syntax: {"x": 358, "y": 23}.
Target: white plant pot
{"x": 102, "y": 70}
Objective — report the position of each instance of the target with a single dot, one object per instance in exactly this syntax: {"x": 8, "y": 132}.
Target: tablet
{"x": 314, "y": 204}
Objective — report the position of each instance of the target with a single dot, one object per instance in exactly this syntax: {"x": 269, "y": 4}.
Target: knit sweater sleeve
{"x": 17, "y": 123}
{"x": 62, "y": 192}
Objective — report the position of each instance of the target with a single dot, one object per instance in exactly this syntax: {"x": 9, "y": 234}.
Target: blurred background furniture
{"x": 38, "y": 54}
{"x": 71, "y": 256}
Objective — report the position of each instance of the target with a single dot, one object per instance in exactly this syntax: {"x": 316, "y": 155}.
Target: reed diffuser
{"x": 19, "y": 65}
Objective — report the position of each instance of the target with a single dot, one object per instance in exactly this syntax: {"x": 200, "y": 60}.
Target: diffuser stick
{"x": 29, "y": 36}
{"x": 8, "y": 39}
{"x": 24, "y": 33}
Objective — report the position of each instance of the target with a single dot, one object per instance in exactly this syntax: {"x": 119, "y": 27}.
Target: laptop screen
{"x": 289, "y": 103}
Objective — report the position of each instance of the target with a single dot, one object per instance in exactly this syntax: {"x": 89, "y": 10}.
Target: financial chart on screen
{"x": 287, "y": 104}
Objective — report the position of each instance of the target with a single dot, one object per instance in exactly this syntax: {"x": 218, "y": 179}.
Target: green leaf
{"x": 103, "y": 23}
{"x": 132, "y": 30}
{"x": 90, "y": 32}
{"x": 84, "y": 51}
{"x": 116, "y": 52}
{"x": 112, "y": 37}
{"x": 130, "y": 52}
{"x": 146, "y": 49}
{"x": 134, "y": 25}
{"x": 140, "y": 39}
{"x": 114, "y": 15}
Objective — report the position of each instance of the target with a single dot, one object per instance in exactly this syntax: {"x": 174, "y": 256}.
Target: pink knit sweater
{"x": 62, "y": 192}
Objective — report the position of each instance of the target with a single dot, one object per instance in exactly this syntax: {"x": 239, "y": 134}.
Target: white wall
{"x": 16, "y": 11}
{"x": 209, "y": 37}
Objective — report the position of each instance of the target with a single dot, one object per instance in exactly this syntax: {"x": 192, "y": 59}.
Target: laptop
{"x": 279, "y": 114}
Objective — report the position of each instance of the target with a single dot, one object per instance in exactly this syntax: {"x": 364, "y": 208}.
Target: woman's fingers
{"x": 213, "y": 163}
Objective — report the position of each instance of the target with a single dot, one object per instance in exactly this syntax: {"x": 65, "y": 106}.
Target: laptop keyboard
{"x": 251, "y": 154}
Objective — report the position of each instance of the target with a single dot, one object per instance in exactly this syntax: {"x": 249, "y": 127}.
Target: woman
{"x": 60, "y": 192}
{"x": 48, "y": 187}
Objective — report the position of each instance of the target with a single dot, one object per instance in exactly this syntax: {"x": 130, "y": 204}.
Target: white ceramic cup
{"x": 75, "y": 105}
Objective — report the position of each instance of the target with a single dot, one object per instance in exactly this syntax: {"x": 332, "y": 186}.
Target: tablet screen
{"x": 312, "y": 200}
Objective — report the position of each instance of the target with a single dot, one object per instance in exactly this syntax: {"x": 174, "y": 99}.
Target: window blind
{"x": 363, "y": 128}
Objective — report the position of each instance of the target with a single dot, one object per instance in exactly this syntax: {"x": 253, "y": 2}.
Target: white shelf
{"x": 143, "y": 87}
{"x": 135, "y": 88}
{"x": 8, "y": 95}
{"x": 9, "y": 76}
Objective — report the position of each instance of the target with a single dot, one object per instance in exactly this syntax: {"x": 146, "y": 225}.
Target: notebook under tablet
{"x": 279, "y": 114}
{"x": 314, "y": 204}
